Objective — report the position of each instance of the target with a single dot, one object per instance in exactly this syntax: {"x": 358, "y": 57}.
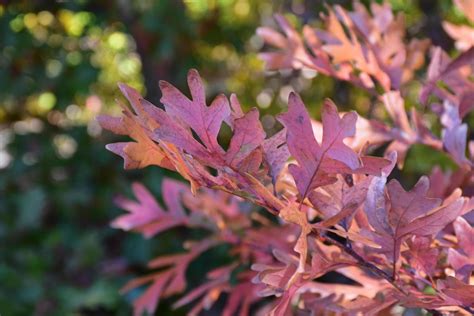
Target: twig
{"x": 377, "y": 271}
{"x": 468, "y": 309}
{"x": 361, "y": 261}
{"x": 434, "y": 312}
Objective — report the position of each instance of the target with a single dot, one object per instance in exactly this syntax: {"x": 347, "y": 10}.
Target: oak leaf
{"x": 396, "y": 214}
{"x": 317, "y": 163}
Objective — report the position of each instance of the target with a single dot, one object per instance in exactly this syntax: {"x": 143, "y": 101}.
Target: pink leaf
{"x": 465, "y": 233}
{"x": 247, "y": 137}
{"x": 205, "y": 121}
{"x": 401, "y": 214}
{"x": 146, "y": 215}
{"x": 276, "y": 153}
{"x": 315, "y": 162}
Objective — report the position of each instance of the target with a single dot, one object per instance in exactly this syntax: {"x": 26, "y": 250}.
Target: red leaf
{"x": 421, "y": 256}
{"x": 353, "y": 46}
{"x": 442, "y": 68}
{"x": 461, "y": 292}
{"x": 304, "y": 147}
{"x": 406, "y": 213}
{"x": 167, "y": 282}
{"x": 462, "y": 258}
{"x": 144, "y": 151}
{"x": 276, "y": 153}
{"x": 292, "y": 54}
{"x": 454, "y": 133}
{"x": 465, "y": 233}
{"x": 247, "y": 137}
{"x": 205, "y": 121}
{"x": 146, "y": 215}
{"x": 316, "y": 163}
{"x": 291, "y": 214}
{"x": 183, "y": 115}
{"x": 339, "y": 201}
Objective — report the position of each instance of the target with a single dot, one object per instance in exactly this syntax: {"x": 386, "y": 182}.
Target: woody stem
{"x": 361, "y": 261}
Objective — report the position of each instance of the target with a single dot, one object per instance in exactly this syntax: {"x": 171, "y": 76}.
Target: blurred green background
{"x": 59, "y": 65}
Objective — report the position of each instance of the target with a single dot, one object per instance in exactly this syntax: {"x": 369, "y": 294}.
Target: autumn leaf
{"x": 248, "y": 136}
{"x": 455, "y": 289}
{"x": 146, "y": 215}
{"x": 276, "y": 153}
{"x": 358, "y": 46}
{"x": 339, "y": 201}
{"x": 343, "y": 48}
{"x": 209, "y": 291}
{"x": 292, "y": 53}
{"x": 183, "y": 115}
{"x": 317, "y": 163}
{"x": 333, "y": 211}
{"x": 454, "y": 133}
{"x": 204, "y": 120}
{"x": 462, "y": 258}
{"x": 167, "y": 282}
{"x": 421, "y": 256}
{"x": 303, "y": 147}
{"x": 462, "y": 34}
{"x": 369, "y": 306}
{"x": 292, "y": 214}
{"x": 452, "y": 74}
{"x": 143, "y": 152}
{"x": 396, "y": 214}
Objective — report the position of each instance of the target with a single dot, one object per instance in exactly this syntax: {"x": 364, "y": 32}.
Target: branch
{"x": 361, "y": 261}
{"x": 434, "y": 312}
{"x": 468, "y": 309}
{"x": 377, "y": 271}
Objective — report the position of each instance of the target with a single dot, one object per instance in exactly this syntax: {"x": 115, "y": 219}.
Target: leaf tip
{"x": 194, "y": 74}
{"x": 294, "y": 99}
{"x": 329, "y": 105}
{"x": 163, "y": 84}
